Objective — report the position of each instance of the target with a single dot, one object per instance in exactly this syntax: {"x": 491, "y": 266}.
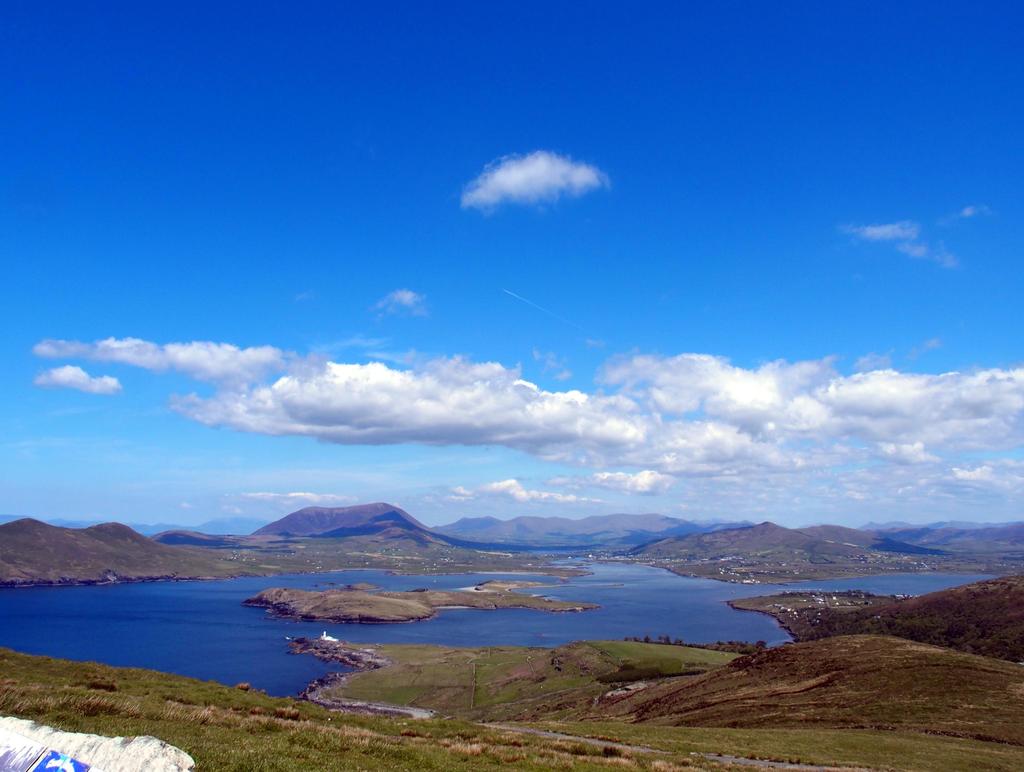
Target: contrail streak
{"x": 545, "y": 310}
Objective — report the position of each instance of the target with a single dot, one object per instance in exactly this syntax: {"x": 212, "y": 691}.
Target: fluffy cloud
{"x": 71, "y": 377}
{"x": 905, "y": 453}
{"x": 203, "y": 360}
{"x": 443, "y": 402}
{"x": 983, "y": 409}
{"x": 538, "y": 177}
{"x": 645, "y": 482}
{"x": 402, "y": 301}
{"x": 779, "y": 426}
{"x": 515, "y": 490}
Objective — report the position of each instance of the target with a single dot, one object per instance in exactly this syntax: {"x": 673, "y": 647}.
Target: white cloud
{"x": 906, "y": 235}
{"x": 442, "y": 402}
{"x": 203, "y": 360}
{"x": 762, "y": 436}
{"x": 904, "y": 230}
{"x": 552, "y": 363}
{"x": 873, "y": 361}
{"x": 929, "y": 345}
{"x": 973, "y": 210}
{"x": 646, "y": 481}
{"x": 538, "y": 177}
{"x": 72, "y": 377}
{"x": 906, "y": 453}
{"x": 515, "y": 490}
{"x": 977, "y": 474}
{"x": 299, "y": 498}
{"x": 402, "y": 301}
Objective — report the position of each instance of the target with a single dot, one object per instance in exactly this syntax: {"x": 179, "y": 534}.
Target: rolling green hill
{"x": 504, "y": 682}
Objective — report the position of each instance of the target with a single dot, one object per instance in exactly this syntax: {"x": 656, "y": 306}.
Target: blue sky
{"x": 755, "y": 263}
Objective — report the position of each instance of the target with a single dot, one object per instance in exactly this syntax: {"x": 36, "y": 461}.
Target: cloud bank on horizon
{"x": 650, "y": 424}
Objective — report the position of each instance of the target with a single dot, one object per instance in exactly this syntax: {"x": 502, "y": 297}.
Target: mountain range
{"x": 593, "y": 531}
{"x": 771, "y": 540}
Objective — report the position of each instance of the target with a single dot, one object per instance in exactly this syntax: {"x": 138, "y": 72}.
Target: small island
{"x": 386, "y": 607}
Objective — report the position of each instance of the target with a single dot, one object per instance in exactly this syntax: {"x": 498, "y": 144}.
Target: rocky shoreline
{"x": 360, "y": 660}
{"x": 108, "y": 578}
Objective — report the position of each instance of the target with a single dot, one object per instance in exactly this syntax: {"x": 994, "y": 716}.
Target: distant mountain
{"x": 230, "y": 525}
{"x": 379, "y": 520}
{"x": 822, "y": 543}
{"x": 988, "y": 538}
{"x": 32, "y": 552}
{"x": 964, "y": 525}
{"x": 185, "y": 538}
{"x": 593, "y": 531}
{"x": 867, "y": 539}
{"x": 224, "y": 525}
{"x": 762, "y": 539}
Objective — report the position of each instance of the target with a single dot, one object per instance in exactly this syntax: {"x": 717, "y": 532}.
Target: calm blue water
{"x": 201, "y": 629}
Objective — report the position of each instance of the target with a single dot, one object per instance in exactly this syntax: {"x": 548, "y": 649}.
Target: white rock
{"x": 103, "y": 754}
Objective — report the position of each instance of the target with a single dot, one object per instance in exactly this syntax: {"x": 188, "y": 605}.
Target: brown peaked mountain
{"x": 380, "y": 520}
{"x": 32, "y": 552}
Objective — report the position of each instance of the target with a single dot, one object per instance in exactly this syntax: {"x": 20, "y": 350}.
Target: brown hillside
{"x": 867, "y": 682}
{"x": 984, "y": 618}
{"x": 32, "y": 552}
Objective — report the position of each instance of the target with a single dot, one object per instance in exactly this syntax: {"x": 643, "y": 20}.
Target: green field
{"x": 513, "y": 681}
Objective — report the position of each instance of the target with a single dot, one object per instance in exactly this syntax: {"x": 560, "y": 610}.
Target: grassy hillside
{"x": 228, "y": 729}
{"x": 862, "y": 682}
{"x": 518, "y": 682}
{"x": 984, "y": 618}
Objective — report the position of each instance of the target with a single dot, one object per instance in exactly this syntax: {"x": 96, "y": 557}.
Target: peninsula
{"x": 363, "y": 607}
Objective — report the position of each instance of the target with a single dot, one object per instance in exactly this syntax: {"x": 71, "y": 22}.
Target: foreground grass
{"x": 836, "y": 747}
{"x": 225, "y": 728}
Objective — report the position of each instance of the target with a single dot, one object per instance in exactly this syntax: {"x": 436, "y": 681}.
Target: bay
{"x": 201, "y": 629}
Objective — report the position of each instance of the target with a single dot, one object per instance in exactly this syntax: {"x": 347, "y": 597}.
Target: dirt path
{"x": 572, "y": 737}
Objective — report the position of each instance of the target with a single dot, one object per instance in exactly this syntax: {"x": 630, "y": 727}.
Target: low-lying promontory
{"x": 364, "y": 607}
